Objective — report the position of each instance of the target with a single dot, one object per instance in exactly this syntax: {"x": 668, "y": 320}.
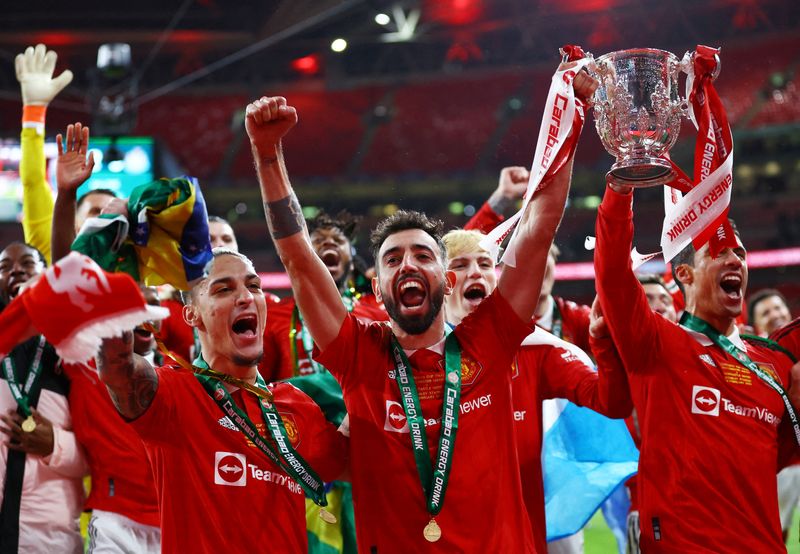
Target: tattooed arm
{"x": 130, "y": 379}
{"x": 267, "y": 120}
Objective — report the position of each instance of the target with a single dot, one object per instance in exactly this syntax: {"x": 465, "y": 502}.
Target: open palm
{"x": 73, "y": 166}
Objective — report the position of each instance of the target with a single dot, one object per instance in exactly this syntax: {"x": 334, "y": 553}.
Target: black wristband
{"x": 284, "y": 217}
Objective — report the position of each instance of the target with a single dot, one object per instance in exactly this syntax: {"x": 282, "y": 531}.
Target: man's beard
{"x": 241, "y": 361}
{"x": 416, "y": 325}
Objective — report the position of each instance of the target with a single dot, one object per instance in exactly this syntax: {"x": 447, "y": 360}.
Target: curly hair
{"x": 346, "y": 222}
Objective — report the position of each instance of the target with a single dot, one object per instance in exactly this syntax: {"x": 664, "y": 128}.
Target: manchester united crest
{"x": 470, "y": 369}
{"x": 292, "y": 433}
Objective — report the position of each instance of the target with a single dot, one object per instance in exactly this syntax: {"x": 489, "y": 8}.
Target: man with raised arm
{"x": 540, "y": 371}
{"x": 705, "y": 394}
{"x": 432, "y": 447}
{"x": 224, "y": 447}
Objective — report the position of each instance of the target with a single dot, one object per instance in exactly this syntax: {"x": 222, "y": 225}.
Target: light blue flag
{"x": 585, "y": 457}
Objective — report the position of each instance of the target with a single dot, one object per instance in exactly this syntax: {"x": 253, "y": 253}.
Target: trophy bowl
{"x": 637, "y": 113}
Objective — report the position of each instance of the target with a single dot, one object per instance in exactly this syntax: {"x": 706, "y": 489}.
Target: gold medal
{"x": 432, "y": 531}
{"x": 326, "y": 516}
{"x": 29, "y": 426}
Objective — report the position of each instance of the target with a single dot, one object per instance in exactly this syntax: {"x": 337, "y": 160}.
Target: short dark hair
{"x": 29, "y": 246}
{"x": 344, "y": 221}
{"x": 403, "y": 220}
{"x": 107, "y": 192}
{"x": 686, "y": 256}
{"x": 763, "y": 294}
{"x": 188, "y": 297}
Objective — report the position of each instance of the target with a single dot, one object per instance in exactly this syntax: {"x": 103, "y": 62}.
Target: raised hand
{"x": 511, "y": 187}
{"x": 583, "y": 83}
{"x": 73, "y": 166}
{"x": 267, "y": 120}
{"x": 34, "y": 71}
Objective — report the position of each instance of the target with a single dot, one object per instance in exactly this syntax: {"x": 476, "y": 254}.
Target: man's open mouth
{"x": 411, "y": 292}
{"x": 731, "y": 285}
{"x": 14, "y": 286}
{"x": 475, "y": 293}
{"x": 330, "y": 258}
{"x": 245, "y": 325}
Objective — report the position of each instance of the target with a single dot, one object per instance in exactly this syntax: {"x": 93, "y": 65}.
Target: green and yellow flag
{"x": 164, "y": 239}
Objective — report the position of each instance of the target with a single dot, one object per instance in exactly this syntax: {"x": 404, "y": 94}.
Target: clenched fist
{"x": 267, "y": 120}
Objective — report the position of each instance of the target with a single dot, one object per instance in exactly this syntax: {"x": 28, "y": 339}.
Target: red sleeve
{"x": 277, "y": 363}
{"x": 631, "y": 321}
{"x": 788, "y": 337}
{"x": 357, "y": 343}
{"x": 177, "y": 335}
{"x": 576, "y": 319}
{"x": 484, "y": 219}
{"x": 321, "y": 445}
{"x": 157, "y": 423}
{"x": 614, "y": 390}
{"x": 494, "y": 327}
{"x": 605, "y": 391}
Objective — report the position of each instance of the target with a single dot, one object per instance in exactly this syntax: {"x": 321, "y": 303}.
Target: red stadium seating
{"x": 439, "y": 127}
{"x": 197, "y": 129}
{"x": 327, "y": 135}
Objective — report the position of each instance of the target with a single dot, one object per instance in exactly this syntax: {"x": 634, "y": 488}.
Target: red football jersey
{"x": 483, "y": 509}
{"x": 122, "y": 481}
{"x": 175, "y": 332}
{"x": 709, "y": 426}
{"x": 219, "y": 493}
{"x": 573, "y": 321}
{"x": 278, "y": 361}
{"x": 788, "y": 337}
{"x": 545, "y": 371}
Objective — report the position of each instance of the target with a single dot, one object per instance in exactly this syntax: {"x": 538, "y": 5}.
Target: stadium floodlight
{"x": 114, "y": 59}
{"x": 339, "y": 45}
{"x": 382, "y": 19}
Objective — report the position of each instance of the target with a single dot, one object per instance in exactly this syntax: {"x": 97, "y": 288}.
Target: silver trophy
{"x": 637, "y": 112}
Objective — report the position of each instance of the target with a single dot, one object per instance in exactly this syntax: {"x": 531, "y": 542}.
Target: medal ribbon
{"x": 694, "y": 323}
{"x": 286, "y": 458}
{"x": 561, "y": 126}
{"x": 434, "y": 479}
{"x": 701, "y": 215}
{"x": 21, "y": 395}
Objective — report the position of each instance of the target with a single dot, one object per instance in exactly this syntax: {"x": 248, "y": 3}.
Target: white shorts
{"x": 114, "y": 533}
{"x": 568, "y": 545}
{"x": 632, "y": 544}
{"x": 788, "y": 493}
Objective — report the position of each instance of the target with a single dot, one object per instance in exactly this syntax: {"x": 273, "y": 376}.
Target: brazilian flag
{"x": 164, "y": 239}
{"x": 324, "y": 538}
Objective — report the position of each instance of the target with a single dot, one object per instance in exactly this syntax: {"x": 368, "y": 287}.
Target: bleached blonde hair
{"x": 463, "y": 241}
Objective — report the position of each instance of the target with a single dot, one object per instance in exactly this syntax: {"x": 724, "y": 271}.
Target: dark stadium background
{"x": 413, "y": 115}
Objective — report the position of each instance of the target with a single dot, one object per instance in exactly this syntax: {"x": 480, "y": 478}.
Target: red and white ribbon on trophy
{"x": 558, "y": 137}
{"x": 696, "y": 210}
